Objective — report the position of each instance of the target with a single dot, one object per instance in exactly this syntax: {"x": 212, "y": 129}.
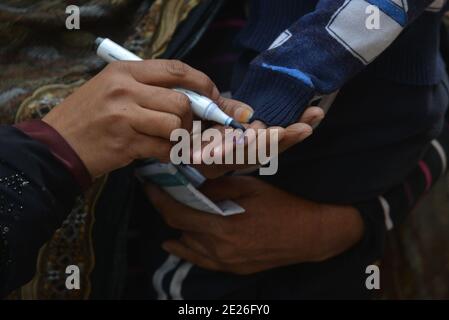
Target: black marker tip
{"x": 234, "y": 124}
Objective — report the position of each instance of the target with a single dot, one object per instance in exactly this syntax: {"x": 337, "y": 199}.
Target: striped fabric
{"x": 393, "y": 207}
{"x": 403, "y": 198}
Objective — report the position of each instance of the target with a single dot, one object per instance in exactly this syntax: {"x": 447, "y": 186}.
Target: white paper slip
{"x": 179, "y": 186}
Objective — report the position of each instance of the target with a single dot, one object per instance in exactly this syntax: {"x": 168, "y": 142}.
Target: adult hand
{"x": 127, "y": 112}
{"x": 277, "y": 229}
{"x": 286, "y": 137}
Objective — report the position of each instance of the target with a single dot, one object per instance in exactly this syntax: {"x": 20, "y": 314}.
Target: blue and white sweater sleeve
{"x": 320, "y": 52}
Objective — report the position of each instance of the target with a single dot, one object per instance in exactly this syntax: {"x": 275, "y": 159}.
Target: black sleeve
{"x": 36, "y": 194}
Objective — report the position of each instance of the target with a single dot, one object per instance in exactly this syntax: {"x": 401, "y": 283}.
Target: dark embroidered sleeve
{"x": 36, "y": 195}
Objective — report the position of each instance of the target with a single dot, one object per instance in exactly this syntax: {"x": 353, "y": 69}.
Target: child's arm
{"x": 321, "y": 52}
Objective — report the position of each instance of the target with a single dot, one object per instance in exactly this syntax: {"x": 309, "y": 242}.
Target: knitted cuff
{"x": 278, "y": 99}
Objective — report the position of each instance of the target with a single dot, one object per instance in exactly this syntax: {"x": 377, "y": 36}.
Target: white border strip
{"x": 178, "y": 278}
{"x": 158, "y": 277}
{"x": 442, "y": 155}
{"x": 386, "y": 208}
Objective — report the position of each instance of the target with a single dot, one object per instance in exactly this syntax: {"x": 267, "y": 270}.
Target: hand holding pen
{"x": 128, "y": 111}
{"x": 202, "y": 106}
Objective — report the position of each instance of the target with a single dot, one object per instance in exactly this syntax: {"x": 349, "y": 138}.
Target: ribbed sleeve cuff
{"x": 278, "y": 99}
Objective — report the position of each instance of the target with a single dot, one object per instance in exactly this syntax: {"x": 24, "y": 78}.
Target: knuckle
{"x": 176, "y": 68}
{"x": 224, "y": 104}
{"x": 183, "y": 104}
{"x": 173, "y": 123}
{"x": 120, "y": 145}
{"x": 117, "y": 115}
{"x": 207, "y": 85}
{"x": 118, "y": 88}
{"x": 118, "y": 66}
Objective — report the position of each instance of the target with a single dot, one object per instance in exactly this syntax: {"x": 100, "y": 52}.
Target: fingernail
{"x": 216, "y": 93}
{"x": 241, "y": 138}
{"x": 316, "y": 121}
{"x": 243, "y": 114}
{"x": 305, "y": 134}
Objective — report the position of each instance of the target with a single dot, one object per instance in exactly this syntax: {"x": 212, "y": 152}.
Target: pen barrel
{"x": 202, "y": 107}
{"x": 110, "y": 51}
{"x": 205, "y": 108}
{"x": 214, "y": 113}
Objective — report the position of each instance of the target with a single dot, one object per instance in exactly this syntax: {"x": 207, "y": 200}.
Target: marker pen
{"x": 202, "y": 106}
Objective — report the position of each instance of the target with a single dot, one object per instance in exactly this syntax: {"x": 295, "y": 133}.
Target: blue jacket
{"x": 314, "y": 47}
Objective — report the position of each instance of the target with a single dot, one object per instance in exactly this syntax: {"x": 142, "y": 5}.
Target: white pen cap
{"x": 110, "y": 51}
